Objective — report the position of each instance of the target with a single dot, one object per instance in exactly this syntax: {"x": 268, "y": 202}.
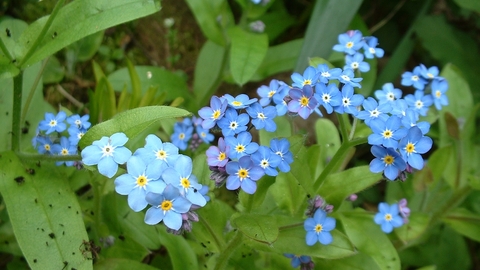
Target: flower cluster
{"x": 59, "y": 135}
{"x": 392, "y": 216}
{"x": 156, "y": 175}
{"x": 190, "y": 133}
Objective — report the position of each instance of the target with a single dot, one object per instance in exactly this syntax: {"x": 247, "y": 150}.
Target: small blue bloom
{"x": 350, "y": 101}
{"x": 387, "y": 160}
{"x": 439, "y": 88}
{"x": 411, "y": 119}
{"x": 241, "y": 101}
{"x": 180, "y": 176}
{"x": 107, "y": 152}
{"x": 243, "y": 174}
{"x": 139, "y": 180}
{"x": 204, "y": 134}
{"x": 428, "y": 73}
{"x": 413, "y": 145}
{"x": 387, "y": 133}
{"x": 399, "y": 107}
{"x": 213, "y": 113}
{"x": 348, "y": 78}
{"x": 370, "y": 48}
{"x": 279, "y": 99}
{"x": 281, "y": 147}
{"x": 232, "y": 123}
{"x": 182, "y": 133}
{"x": 262, "y": 117}
{"x": 266, "y": 92}
{"x": 318, "y": 228}
{"x": 79, "y": 122}
{"x": 256, "y": 1}
{"x": 388, "y": 93}
{"x": 356, "y": 62}
{"x": 241, "y": 145}
{"x": 45, "y": 145}
{"x": 218, "y": 156}
{"x": 328, "y": 96}
{"x": 303, "y": 101}
{"x": 297, "y": 259}
{"x": 414, "y": 79}
{"x": 310, "y": 77}
{"x": 388, "y": 217}
{"x": 167, "y": 207}
{"x": 53, "y": 122}
{"x": 349, "y": 42}
{"x": 64, "y": 149}
{"x": 75, "y": 134}
{"x": 419, "y": 102}
{"x": 157, "y": 151}
{"x": 267, "y": 159}
{"x": 326, "y": 74}
{"x": 373, "y": 112}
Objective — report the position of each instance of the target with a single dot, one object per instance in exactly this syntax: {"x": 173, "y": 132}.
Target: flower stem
{"x": 5, "y": 50}
{"x": 32, "y": 91}
{"x": 222, "y": 259}
{"x": 216, "y": 238}
{"x": 17, "y": 109}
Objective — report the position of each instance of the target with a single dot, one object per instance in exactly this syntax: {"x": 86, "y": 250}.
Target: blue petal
{"x": 311, "y": 238}
{"x": 325, "y": 238}
{"x": 121, "y": 155}
{"x": 387, "y": 227}
{"x": 153, "y": 216}
{"x": 171, "y": 176}
{"x": 107, "y": 167}
{"x": 136, "y": 199}
{"x": 91, "y": 155}
{"x": 118, "y": 139}
{"x": 249, "y": 186}
{"x": 329, "y": 224}
{"x": 124, "y": 184}
{"x": 233, "y": 182}
{"x": 173, "y": 220}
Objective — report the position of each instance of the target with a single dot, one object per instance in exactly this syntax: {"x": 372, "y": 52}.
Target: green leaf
{"x": 327, "y": 136}
{"x": 369, "y": 239}
{"x": 12, "y": 28}
{"x": 120, "y": 263}
{"x": 54, "y": 71}
{"x": 338, "y": 186}
{"x": 464, "y": 222}
{"x": 297, "y": 168}
{"x": 284, "y": 130}
{"x": 246, "y": 54}
{"x": 440, "y": 159}
{"x": 415, "y": 228}
{"x": 79, "y": 19}
{"x": 179, "y": 251}
{"x": 206, "y": 80}
{"x": 288, "y": 194}
{"x": 127, "y": 248}
{"x": 85, "y": 48}
{"x": 328, "y": 20}
{"x": 469, "y": 4}
{"x": 44, "y": 213}
{"x": 131, "y": 122}
{"x": 262, "y": 228}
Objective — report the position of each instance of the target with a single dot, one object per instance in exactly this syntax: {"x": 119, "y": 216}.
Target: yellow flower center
{"x": 181, "y": 136}
{"x": 354, "y": 65}
{"x": 216, "y": 114}
{"x": 242, "y": 173}
{"x": 240, "y": 148}
{"x": 142, "y": 181}
{"x": 161, "y": 154}
{"x": 47, "y": 147}
{"x": 349, "y": 44}
{"x": 261, "y": 116}
{"x": 304, "y": 101}
{"x": 271, "y": 93}
{"x": 237, "y": 103}
{"x": 166, "y": 205}
{"x": 185, "y": 182}
{"x": 388, "y": 217}
{"x": 64, "y": 152}
{"x": 264, "y": 163}
{"x": 415, "y": 78}
{"x": 430, "y": 75}
{"x": 410, "y": 148}
{"x": 318, "y": 228}
{"x": 307, "y": 82}
{"x": 52, "y": 123}
{"x": 438, "y": 94}
{"x": 387, "y": 134}
{"x": 221, "y": 156}
{"x": 388, "y": 159}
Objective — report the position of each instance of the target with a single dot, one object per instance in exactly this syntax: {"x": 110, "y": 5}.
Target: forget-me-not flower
{"x": 318, "y": 228}
{"x": 388, "y": 217}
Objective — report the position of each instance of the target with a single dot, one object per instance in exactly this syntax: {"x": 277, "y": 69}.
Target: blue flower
{"x": 370, "y": 48}
{"x": 297, "y": 259}
{"x": 373, "y": 112}
{"x": 232, "y": 123}
{"x": 348, "y": 78}
{"x": 218, "y": 156}
{"x": 356, "y": 62}
{"x": 388, "y": 93}
{"x": 318, "y": 228}
{"x": 413, "y": 145}
{"x": 107, "y": 152}
{"x": 414, "y": 79}
{"x": 213, "y": 113}
{"x": 410, "y": 119}
{"x": 303, "y": 101}
{"x": 281, "y": 147}
{"x": 241, "y": 145}
{"x": 267, "y": 159}
{"x": 157, "y": 151}
{"x": 243, "y": 174}
{"x": 419, "y": 102}
{"x": 180, "y": 176}
{"x": 399, "y": 107}
{"x": 350, "y": 101}
{"x": 280, "y": 103}
{"x": 45, "y": 145}
{"x": 241, "y": 101}
{"x": 326, "y": 74}
{"x": 75, "y": 134}
{"x": 266, "y": 92}
{"x": 53, "y": 122}
{"x": 388, "y": 217}
{"x": 64, "y": 149}
{"x": 310, "y": 77}
{"x": 439, "y": 87}
{"x": 79, "y": 122}
{"x": 349, "y": 42}
{"x": 428, "y": 73}
{"x": 387, "y": 133}
{"x": 139, "y": 180}
{"x": 387, "y": 160}
{"x": 182, "y": 133}
{"x": 262, "y": 117}
{"x": 328, "y": 96}
{"x": 167, "y": 207}
{"x": 204, "y": 134}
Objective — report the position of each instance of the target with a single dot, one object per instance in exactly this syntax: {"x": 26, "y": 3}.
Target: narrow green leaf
{"x": 329, "y": 19}
{"x": 246, "y": 54}
{"x": 120, "y": 263}
{"x": 149, "y": 97}
{"x": 337, "y": 187}
{"x": 131, "y": 122}
{"x": 44, "y": 213}
{"x": 262, "y": 228}
{"x": 469, "y": 4}
{"x": 136, "y": 85}
{"x": 79, "y": 19}
{"x": 369, "y": 239}
{"x": 179, "y": 251}
{"x": 464, "y": 222}
{"x": 11, "y": 32}
{"x": 440, "y": 159}
{"x": 85, "y": 48}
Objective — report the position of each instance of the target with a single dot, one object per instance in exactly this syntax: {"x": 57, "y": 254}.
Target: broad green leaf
{"x": 460, "y": 100}
{"x": 262, "y": 228}
{"x": 327, "y": 136}
{"x": 279, "y": 58}
{"x": 415, "y": 228}
{"x": 329, "y": 19}
{"x": 253, "y": 202}
{"x": 464, "y": 222}
{"x": 246, "y": 54}
{"x": 277, "y": 20}
{"x": 13, "y": 29}
{"x": 127, "y": 248}
{"x": 44, "y": 213}
{"x": 369, "y": 239}
{"x": 85, "y": 48}
{"x": 297, "y": 168}
{"x": 338, "y": 186}
{"x": 469, "y": 4}
{"x": 121, "y": 263}
{"x": 288, "y": 194}
{"x": 131, "y": 122}
{"x": 284, "y": 130}
{"x": 206, "y": 80}
{"x": 207, "y": 13}
{"x": 358, "y": 261}
{"x": 179, "y": 251}
{"x": 440, "y": 159}
{"x": 54, "y": 71}
{"x": 315, "y": 61}
{"x": 79, "y": 19}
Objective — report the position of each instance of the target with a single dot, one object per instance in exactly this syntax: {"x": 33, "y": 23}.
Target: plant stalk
{"x": 17, "y": 109}
{"x": 222, "y": 259}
